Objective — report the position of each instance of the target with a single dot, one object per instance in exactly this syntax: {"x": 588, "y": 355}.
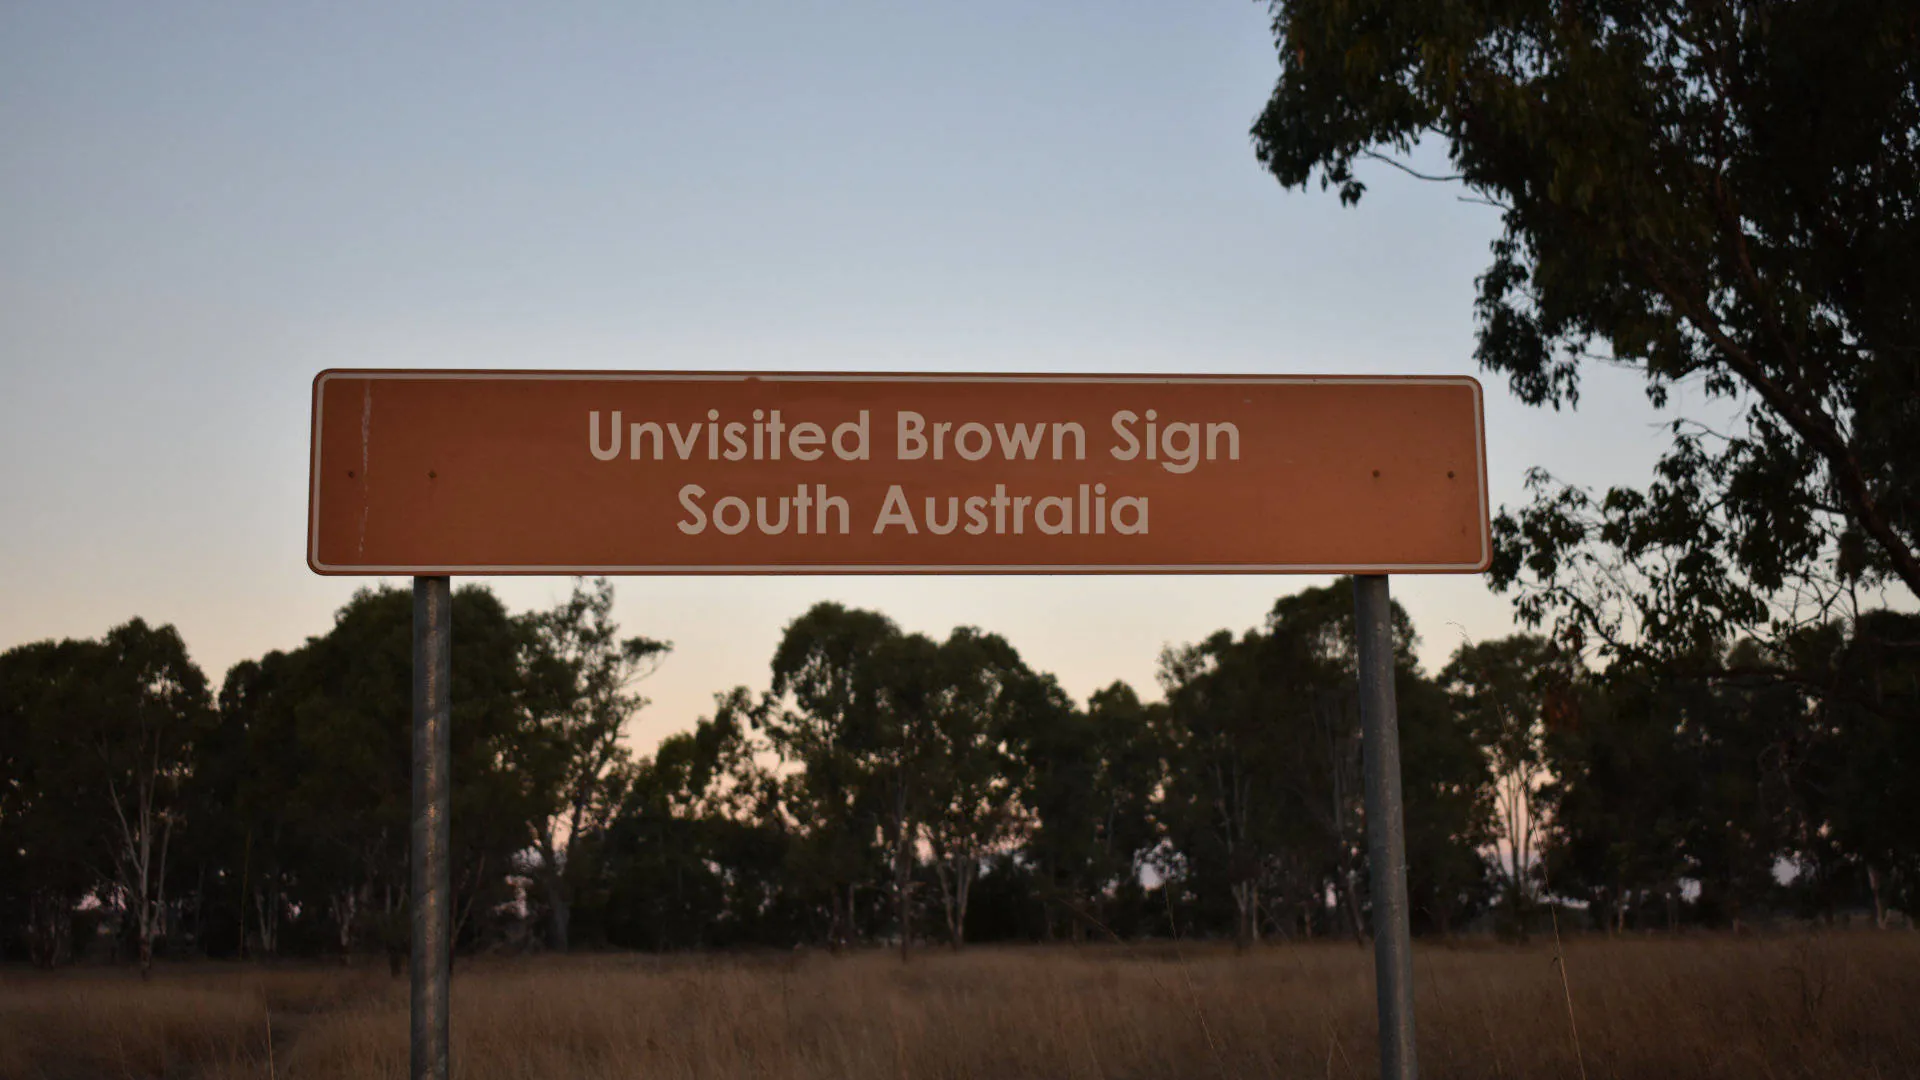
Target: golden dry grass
{"x": 1837, "y": 1005}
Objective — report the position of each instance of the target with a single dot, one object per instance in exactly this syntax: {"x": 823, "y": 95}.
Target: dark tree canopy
{"x": 893, "y": 787}
{"x": 1722, "y": 194}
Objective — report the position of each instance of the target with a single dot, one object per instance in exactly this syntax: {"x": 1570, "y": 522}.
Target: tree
{"x": 100, "y": 746}
{"x": 1847, "y": 762}
{"x": 580, "y": 675}
{"x": 249, "y": 764}
{"x": 1505, "y": 690}
{"x": 1263, "y": 797}
{"x": 144, "y": 705}
{"x": 1264, "y": 784}
{"x": 693, "y": 857}
{"x": 858, "y": 754}
{"x": 1227, "y": 751}
{"x": 982, "y": 693}
{"x": 1087, "y": 782}
{"x": 1312, "y": 646}
{"x": 1877, "y": 800}
{"x": 331, "y": 725}
{"x": 1616, "y": 806}
{"x": 1722, "y": 194}
{"x": 903, "y": 740}
{"x": 1450, "y": 808}
{"x": 56, "y": 838}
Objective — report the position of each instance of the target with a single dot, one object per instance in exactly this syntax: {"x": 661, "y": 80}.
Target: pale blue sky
{"x": 202, "y": 205}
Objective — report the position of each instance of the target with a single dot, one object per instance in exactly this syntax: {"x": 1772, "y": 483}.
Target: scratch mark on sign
{"x": 366, "y": 437}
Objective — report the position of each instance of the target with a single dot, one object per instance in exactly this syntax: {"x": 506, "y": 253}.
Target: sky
{"x": 203, "y": 205}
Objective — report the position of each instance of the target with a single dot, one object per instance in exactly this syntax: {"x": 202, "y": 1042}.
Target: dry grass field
{"x": 1831, "y": 1006}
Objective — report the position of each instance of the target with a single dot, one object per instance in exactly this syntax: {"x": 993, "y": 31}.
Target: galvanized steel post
{"x": 1386, "y": 828}
{"x": 432, "y": 833}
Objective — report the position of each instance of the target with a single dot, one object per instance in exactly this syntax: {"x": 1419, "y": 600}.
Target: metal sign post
{"x": 432, "y": 870}
{"x": 1386, "y": 828}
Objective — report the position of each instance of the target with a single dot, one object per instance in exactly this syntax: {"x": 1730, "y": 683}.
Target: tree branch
{"x": 1818, "y": 430}
{"x": 1375, "y": 155}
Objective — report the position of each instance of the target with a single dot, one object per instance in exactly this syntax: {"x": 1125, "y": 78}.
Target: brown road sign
{"x": 537, "y": 472}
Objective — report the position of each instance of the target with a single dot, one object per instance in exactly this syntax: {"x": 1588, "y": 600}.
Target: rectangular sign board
{"x": 538, "y": 472}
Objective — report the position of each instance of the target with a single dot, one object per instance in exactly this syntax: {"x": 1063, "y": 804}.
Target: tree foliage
{"x": 1720, "y": 195}
{"x": 100, "y": 743}
{"x": 892, "y": 787}
{"x": 580, "y": 675}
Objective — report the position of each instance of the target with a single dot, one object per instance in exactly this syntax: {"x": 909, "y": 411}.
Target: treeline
{"x": 891, "y": 787}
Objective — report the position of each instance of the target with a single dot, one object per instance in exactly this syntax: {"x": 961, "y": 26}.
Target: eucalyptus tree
{"x": 1311, "y": 654}
{"x": 982, "y": 692}
{"x": 57, "y": 842}
{"x": 693, "y": 856}
{"x": 1451, "y": 819}
{"x": 1616, "y": 806}
{"x": 832, "y": 716}
{"x": 1263, "y": 787}
{"x": 1505, "y": 689}
{"x": 1231, "y": 749}
{"x": 1877, "y": 805}
{"x": 332, "y": 724}
{"x": 901, "y": 743}
{"x": 143, "y": 705}
{"x": 1848, "y": 766}
{"x": 1720, "y": 195}
{"x": 101, "y": 749}
{"x": 1088, "y": 783}
{"x": 250, "y": 764}
{"x": 580, "y": 675}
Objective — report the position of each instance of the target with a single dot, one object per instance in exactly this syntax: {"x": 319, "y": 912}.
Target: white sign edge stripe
{"x": 1480, "y": 456}
{"x": 439, "y": 374}
{"x": 883, "y": 569}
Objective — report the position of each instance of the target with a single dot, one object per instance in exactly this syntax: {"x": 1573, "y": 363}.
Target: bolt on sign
{"x": 535, "y": 472}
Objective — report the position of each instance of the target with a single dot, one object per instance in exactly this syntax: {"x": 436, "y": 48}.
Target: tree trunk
{"x": 346, "y": 909}
{"x": 269, "y": 918}
{"x": 1246, "y": 898}
{"x": 903, "y": 903}
{"x": 138, "y": 876}
{"x": 958, "y": 922}
{"x": 50, "y": 928}
{"x": 834, "y": 920}
{"x": 143, "y": 877}
{"x": 200, "y": 912}
{"x": 956, "y": 881}
{"x": 1351, "y": 899}
{"x": 559, "y": 912}
{"x": 246, "y": 886}
{"x": 1879, "y": 901}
